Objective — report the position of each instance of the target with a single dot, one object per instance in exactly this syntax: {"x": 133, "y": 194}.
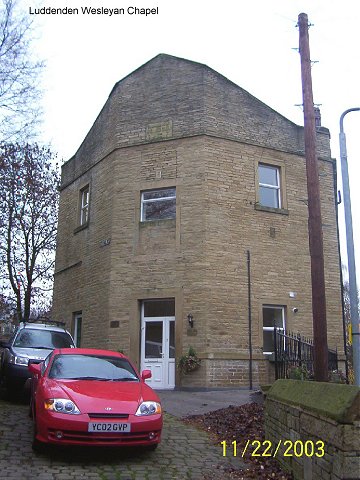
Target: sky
{"x": 254, "y": 44}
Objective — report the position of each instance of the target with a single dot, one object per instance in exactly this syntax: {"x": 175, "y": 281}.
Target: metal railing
{"x": 294, "y": 356}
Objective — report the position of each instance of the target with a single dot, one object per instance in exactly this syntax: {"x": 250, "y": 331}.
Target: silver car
{"x": 30, "y": 342}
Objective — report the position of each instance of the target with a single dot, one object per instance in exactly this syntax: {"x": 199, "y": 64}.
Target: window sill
{"x": 270, "y": 356}
{"x": 81, "y": 227}
{"x": 263, "y": 208}
{"x": 146, "y": 223}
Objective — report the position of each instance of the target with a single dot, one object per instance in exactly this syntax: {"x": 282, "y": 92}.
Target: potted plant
{"x": 189, "y": 362}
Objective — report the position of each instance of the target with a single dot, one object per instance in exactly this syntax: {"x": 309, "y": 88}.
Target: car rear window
{"x": 92, "y": 367}
{"x": 47, "y": 339}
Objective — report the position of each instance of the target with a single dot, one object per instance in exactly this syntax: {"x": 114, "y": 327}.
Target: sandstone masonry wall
{"x": 327, "y": 448}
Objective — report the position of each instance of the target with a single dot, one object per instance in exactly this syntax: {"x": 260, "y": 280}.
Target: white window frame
{"x": 276, "y": 187}
{"x": 77, "y": 329}
{"x": 152, "y": 200}
{"x": 84, "y": 205}
{"x": 271, "y": 329}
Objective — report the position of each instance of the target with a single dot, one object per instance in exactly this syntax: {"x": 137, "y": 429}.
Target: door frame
{"x": 167, "y": 364}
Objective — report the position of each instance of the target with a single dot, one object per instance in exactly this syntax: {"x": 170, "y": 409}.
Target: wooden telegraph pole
{"x": 314, "y": 206}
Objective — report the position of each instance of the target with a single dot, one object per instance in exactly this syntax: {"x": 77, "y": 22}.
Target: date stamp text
{"x": 266, "y": 448}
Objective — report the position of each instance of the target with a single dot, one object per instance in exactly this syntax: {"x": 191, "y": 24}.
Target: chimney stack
{"x": 317, "y": 117}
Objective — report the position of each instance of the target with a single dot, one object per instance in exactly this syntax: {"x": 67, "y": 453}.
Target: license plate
{"x": 109, "y": 427}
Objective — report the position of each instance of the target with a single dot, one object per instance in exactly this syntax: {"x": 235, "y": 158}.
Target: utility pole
{"x": 353, "y": 293}
{"x": 314, "y": 207}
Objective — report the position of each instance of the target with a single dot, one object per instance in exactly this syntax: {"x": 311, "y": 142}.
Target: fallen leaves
{"x": 240, "y": 424}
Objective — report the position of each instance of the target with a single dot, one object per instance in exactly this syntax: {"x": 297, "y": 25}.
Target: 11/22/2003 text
{"x": 266, "y": 448}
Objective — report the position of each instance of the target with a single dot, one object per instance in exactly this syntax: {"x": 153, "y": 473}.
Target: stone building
{"x": 184, "y": 223}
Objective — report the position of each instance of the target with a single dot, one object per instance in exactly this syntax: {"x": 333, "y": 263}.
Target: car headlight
{"x": 148, "y": 408}
{"x": 14, "y": 359}
{"x": 61, "y": 405}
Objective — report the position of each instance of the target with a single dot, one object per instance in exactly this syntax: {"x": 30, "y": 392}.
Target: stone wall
{"x": 319, "y": 424}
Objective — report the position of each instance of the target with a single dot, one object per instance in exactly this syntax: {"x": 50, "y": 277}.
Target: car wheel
{"x": 31, "y": 414}
{"x": 36, "y": 445}
{"x": 11, "y": 391}
{"x": 2, "y": 384}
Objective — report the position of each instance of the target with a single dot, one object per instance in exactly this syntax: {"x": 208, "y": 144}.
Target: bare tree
{"x": 19, "y": 74}
{"x": 29, "y": 183}
{"x": 7, "y": 307}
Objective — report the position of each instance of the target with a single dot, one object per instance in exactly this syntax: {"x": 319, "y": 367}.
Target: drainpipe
{"x": 249, "y": 316}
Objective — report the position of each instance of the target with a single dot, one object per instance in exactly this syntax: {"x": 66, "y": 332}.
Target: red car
{"x": 93, "y": 397}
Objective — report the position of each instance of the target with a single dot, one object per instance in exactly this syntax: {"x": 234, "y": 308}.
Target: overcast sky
{"x": 251, "y": 43}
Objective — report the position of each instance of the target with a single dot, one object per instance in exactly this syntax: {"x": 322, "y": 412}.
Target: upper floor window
{"x": 84, "y": 205}
{"x": 269, "y": 186}
{"x": 158, "y": 204}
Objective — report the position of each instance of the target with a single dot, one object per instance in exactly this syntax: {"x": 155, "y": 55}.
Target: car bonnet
{"x": 98, "y": 396}
{"x": 31, "y": 353}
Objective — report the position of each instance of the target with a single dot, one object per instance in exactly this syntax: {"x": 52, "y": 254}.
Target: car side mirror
{"x": 146, "y": 374}
{"x": 34, "y": 368}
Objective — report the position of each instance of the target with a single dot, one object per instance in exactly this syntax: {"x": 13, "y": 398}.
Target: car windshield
{"x": 92, "y": 367}
{"x": 49, "y": 339}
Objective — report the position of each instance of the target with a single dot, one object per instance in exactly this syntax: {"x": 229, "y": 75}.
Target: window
{"x": 269, "y": 186}
{"x": 77, "y": 324}
{"x": 158, "y": 204}
{"x": 273, "y": 317}
{"x": 35, "y": 338}
{"x": 84, "y": 205}
{"x": 45, "y": 363}
{"x": 92, "y": 367}
{"x": 159, "y": 308}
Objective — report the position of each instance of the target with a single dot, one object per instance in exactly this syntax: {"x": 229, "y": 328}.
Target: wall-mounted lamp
{"x": 190, "y": 320}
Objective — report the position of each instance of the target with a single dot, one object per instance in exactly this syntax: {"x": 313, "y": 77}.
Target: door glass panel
{"x": 172, "y": 339}
{"x": 153, "y": 339}
{"x": 159, "y": 308}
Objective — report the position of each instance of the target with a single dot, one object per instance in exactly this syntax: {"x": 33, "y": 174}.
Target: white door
{"x": 158, "y": 351}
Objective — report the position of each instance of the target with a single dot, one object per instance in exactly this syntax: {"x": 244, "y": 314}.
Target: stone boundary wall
{"x": 298, "y": 411}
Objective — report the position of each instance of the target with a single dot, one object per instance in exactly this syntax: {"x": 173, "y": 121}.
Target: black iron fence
{"x": 294, "y": 356}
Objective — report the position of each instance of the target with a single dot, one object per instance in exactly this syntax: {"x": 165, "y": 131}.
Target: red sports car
{"x": 93, "y": 397}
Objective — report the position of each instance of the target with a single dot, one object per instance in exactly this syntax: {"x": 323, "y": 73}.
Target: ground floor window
{"x": 273, "y": 317}
{"x": 77, "y": 325}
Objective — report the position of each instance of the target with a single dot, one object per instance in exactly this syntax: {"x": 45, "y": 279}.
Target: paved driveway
{"x": 182, "y": 403}
{"x": 184, "y": 453}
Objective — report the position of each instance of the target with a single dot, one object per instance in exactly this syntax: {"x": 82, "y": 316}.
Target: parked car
{"x": 93, "y": 397}
{"x": 31, "y": 341}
